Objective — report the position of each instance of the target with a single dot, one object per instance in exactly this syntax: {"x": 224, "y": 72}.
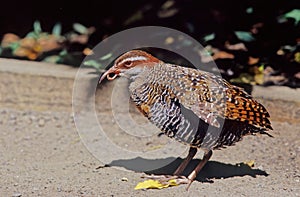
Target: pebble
{"x": 3, "y": 111}
{"x": 55, "y": 118}
{"x": 12, "y": 117}
{"x": 41, "y": 122}
{"x": 260, "y": 167}
{"x": 32, "y": 118}
{"x": 35, "y": 189}
{"x": 58, "y": 126}
{"x": 124, "y": 179}
{"x": 17, "y": 195}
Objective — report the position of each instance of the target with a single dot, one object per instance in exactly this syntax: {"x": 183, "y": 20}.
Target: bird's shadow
{"x": 212, "y": 169}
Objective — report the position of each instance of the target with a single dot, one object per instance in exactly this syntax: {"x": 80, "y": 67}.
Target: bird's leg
{"x": 180, "y": 169}
{"x": 182, "y": 179}
{"x": 176, "y": 175}
{"x": 193, "y": 174}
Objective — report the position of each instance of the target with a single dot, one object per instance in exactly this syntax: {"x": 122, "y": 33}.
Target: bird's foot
{"x": 164, "y": 179}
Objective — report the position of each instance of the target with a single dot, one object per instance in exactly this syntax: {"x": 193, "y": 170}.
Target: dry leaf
{"x": 297, "y": 57}
{"x": 253, "y": 60}
{"x": 155, "y": 147}
{"x": 297, "y": 75}
{"x": 49, "y": 43}
{"x": 155, "y": 184}
{"x": 167, "y": 13}
{"x": 236, "y": 47}
{"x": 8, "y": 39}
{"x": 28, "y": 42}
{"x": 88, "y": 51}
{"x": 259, "y": 78}
{"x": 223, "y": 55}
{"x": 250, "y": 163}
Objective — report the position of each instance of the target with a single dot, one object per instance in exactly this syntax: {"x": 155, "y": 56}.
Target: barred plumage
{"x": 192, "y": 106}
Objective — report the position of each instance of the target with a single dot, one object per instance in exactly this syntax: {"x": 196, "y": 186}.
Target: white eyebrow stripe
{"x": 133, "y": 59}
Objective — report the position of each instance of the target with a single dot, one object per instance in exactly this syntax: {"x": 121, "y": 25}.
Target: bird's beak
{"x": 112, "y": 70}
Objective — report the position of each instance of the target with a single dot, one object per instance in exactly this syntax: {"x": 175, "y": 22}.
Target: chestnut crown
{"x": 131, "y": 61}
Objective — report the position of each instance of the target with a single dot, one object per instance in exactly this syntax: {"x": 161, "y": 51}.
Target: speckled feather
{"x": 194, "y": 107}
{"x": 183, "y": 102}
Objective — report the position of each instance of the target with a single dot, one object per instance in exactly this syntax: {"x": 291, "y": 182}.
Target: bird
{"x": 197, "y": 108}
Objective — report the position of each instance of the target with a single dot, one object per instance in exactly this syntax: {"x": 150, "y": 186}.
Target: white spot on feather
{"x": 133, "y": 59}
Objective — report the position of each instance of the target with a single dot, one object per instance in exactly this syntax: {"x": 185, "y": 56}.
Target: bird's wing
{"x": 241, "y": 106}
{"x": 210, "y": 96}
{"x": 161, "y": 106}
{"x": 202, "y": 93}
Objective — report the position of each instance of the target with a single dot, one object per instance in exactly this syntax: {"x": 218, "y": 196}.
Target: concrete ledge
{"x": 28, "y": 85}
{"x": 36, "y": 68}
{"x": 277, "y": 93}
{"x": 39, "y": 86}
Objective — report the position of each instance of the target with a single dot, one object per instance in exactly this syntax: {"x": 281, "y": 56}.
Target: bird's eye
{"x": 128, "y": 63}
{"x": 111, "y": 76}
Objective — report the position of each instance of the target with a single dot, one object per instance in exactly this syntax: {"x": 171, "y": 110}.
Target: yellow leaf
{"x": 155, "y": 184}
{"x": 297, "y": 57}
{"x": 155, "y": 147}
{"x": 250, "y": 163}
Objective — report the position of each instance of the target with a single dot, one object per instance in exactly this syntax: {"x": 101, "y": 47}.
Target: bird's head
{"x": 129, "y": 64}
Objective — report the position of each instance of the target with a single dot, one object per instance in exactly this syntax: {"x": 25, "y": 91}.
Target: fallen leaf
{"x": 244, "y": 36}
{"x": 209, "y": 37}
{"x": 243, "y": 78}
{"x": 155, "y": 184}
{"x": 236, "y": 47}
{"x": 52, "y": 59}
{"x": 280, "y": 52}
{"x": 80, "y": 28}
{"x": 223, "y": 55}
{"x": 48, "y": 43}
{"x": 8, "y": 39}
{"x": 88, "y": 51}
{"x": 297, "y": 57}
{"x": 28, "y": 42}
{"x": 155, "y": 147}
{"x": 294, "y": 14}
{"x": 253, "y": 60}
{"x": 297, "y": 75}
{"x": 259, "y": 78}
{"x": 167, "y": 13}
{"x": 168, "y": 4}
{"x": 37, "y": 27}
{"x": 250, "y": 163}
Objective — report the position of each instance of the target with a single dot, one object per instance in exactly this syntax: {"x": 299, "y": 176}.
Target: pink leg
{"x": 193, "y": 174}
{"x": 180, "y": 169}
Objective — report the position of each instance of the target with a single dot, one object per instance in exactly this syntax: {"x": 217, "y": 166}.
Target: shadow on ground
{"x": 212, "y": 170}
